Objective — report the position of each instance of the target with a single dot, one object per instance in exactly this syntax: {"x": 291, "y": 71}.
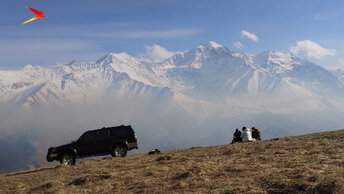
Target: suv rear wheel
{"x": 119, "y": 151}
{"x": 67, "y": 159}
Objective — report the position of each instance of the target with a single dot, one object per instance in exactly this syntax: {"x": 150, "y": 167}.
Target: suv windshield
{"x": 87, "y": 137}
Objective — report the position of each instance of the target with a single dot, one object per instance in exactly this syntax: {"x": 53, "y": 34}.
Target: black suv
{"x": 112, "y": 140}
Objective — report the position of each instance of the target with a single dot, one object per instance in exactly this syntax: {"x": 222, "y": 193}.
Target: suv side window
{"x": 103, "y": 134}
{"x": 122, "y": 132}
{"x": 88, "y": 137}
{"x": 113, "y": 132}
{"x": 119, "y": 132}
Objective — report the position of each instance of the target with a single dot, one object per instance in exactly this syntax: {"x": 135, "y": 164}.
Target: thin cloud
{"x": 238, "y": 45}
{"x": 312, "y": 49}
{"x": 108, "y": 31}
{"x": 174, "y": 33}
{"x": 46, "y": 51}
{"x": 158, "y": 53}
{"x": 322, "y": 17}
{"x": 249, "y": 35}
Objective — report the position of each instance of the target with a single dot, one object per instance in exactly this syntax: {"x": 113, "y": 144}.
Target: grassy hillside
{"x": 311, "y": 163}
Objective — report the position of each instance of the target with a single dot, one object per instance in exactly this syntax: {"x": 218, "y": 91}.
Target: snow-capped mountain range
{"x": 209, "y": 75}
{"x": 197, "y": 97}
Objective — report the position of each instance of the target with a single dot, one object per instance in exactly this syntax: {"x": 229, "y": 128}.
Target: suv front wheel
{"x": 67, "y": 159}
{"x": 119, "y": 151}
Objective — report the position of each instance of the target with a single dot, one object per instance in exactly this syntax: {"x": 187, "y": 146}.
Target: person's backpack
{"x": 154, "y": 151}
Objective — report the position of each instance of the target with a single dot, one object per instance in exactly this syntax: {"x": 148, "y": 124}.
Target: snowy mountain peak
{"x": 213, "y": 44}
{"x": 271, "y": 55}
{"x": 275, "y": 61}
{"x": 116, "y": 57}
{"x": 27, "y": 67}
{"x": 210, "y": 46}
{"x": 206, "y": 55}
{"x": 120, "y": 55}
{"x": 211, "y": 49}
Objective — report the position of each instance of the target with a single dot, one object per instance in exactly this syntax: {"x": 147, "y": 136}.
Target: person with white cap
{"x": 246, "y": 135}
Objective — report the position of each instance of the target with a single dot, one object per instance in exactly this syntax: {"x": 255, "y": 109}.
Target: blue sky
{"x": 88, "y": 29}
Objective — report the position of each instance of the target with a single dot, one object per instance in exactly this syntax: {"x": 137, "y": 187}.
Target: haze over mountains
{"x": 197, "y": 97}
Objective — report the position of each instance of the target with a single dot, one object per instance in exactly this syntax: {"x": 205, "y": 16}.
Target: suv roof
{"x": 112, "y": 128}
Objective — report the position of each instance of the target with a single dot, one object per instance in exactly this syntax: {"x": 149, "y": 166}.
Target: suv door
{"x": 103, "y": 142}
{"x": 86, "y": 144}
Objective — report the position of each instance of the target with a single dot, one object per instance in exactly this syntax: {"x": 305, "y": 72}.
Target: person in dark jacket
{"x": 256, "y": 133}
{"x": 236, "y": 136}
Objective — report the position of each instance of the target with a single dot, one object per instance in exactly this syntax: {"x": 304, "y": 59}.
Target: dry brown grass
{"x": 311, "y": 163}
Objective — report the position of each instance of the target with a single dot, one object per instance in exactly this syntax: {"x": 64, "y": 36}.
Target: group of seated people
{"x": 245, "y": 135}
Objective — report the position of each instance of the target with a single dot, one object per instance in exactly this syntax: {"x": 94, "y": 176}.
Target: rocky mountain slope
{"x": 312, "y": 163}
